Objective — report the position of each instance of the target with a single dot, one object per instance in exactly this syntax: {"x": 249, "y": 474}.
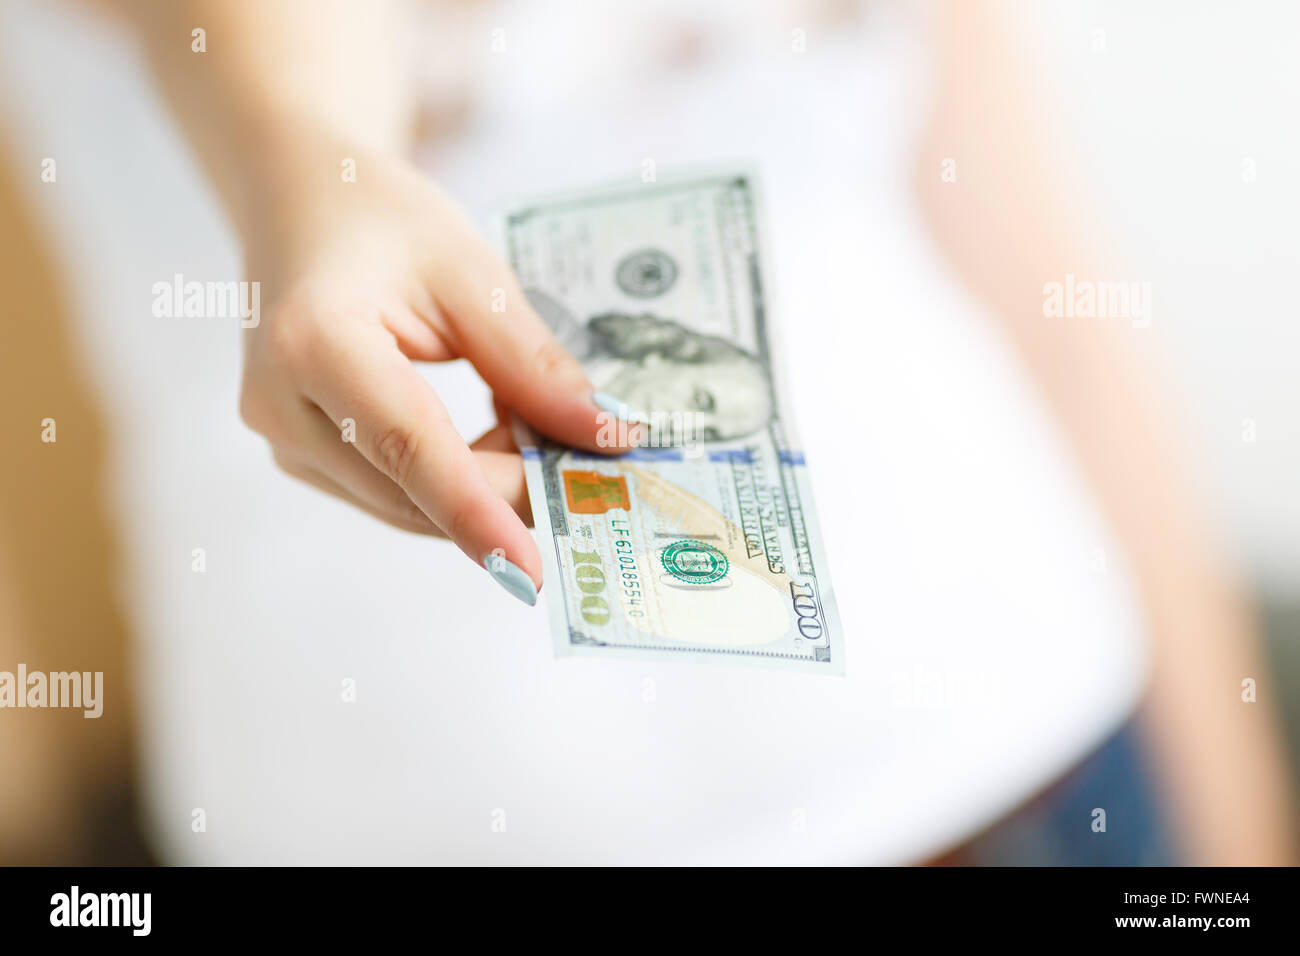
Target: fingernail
{"x": 511, "y": 577}
{"x": 619, "y": 409}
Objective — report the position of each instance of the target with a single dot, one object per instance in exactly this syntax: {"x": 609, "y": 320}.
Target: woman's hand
{"x": 360, "y": 278}
{"x": 361, "y": 275}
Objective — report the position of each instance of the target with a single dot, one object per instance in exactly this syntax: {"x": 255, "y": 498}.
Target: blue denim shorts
{"x": 1061, "y": 827}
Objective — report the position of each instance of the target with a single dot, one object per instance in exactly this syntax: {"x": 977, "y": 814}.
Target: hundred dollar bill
{"x": 703, "y": 542}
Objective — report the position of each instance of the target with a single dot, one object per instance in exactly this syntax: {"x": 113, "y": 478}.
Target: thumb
{"x": 510, "y": 346}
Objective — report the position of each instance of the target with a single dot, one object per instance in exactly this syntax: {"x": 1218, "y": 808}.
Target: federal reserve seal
{"x": 646, "y": 274}
{"x": 695, "y": 562}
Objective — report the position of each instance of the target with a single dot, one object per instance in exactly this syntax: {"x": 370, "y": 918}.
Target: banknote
{"x": 703, "y": 542}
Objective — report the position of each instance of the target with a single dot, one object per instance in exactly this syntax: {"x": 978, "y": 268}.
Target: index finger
{"x": 358, "y": 377}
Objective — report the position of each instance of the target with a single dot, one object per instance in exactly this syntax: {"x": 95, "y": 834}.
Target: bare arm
{"x": 1008, "y": 226}
{"x": 267, "y": 71}
{"x": 299, "y": 111}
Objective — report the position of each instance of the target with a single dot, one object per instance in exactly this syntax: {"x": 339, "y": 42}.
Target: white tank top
{"x": 991, "y": 636}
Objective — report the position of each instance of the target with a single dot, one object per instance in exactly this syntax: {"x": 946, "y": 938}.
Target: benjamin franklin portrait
{"x": 659, "y": 367}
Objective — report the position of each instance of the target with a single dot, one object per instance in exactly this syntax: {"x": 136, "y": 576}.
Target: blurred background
{"x": 1184, "y": 117}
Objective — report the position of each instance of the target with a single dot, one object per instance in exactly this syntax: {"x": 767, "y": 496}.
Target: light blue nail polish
{"x": 511, "y": 577}
{"x": 619, "y": 409}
